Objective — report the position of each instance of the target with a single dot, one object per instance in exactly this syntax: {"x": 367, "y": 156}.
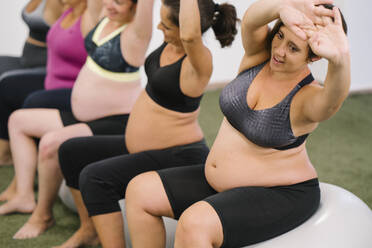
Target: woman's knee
{"x": 199, "y": 224}
{"x": 48, "y": 146}
{"x": 99, "y": 193}
{"x": 17, "y": 120}
{"x": 66, "y": 151}
{"x": 146, "y": 192}
{"x": 91, "y": 179}
{"x": 137, "y": 192}
{"x": 73, "y": 160}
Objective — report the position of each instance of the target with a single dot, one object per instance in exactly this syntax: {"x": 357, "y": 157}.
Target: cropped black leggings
{"x": 32, "y": 57}
{"x": 248, "y": 214}
{"x": 102, "y": 168}
{"x": 25, "y": 88}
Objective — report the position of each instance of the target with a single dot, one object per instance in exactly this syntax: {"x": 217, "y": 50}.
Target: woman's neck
{"x": 114, "y": 24}
{"x": 288, "y": 76}
{"x": 177, "y": 48}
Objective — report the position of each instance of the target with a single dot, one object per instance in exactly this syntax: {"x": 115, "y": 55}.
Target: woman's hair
{"x": 279, "y": 24}
{"x": 222, "y": 18}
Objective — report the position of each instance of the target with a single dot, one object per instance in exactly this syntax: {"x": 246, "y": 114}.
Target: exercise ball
{"x": 342, "y": 221}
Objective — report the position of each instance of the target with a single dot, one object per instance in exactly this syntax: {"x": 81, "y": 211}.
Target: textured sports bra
{"x": 163, "y": 84}
{"x": 36, "y": 23}
{"x": 105, "y": 56}
{"x": 269, "y": 127}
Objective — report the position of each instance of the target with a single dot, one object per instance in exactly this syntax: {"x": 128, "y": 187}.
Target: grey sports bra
{"x": 269, "y": 127}
{"x": 36, "y": 23}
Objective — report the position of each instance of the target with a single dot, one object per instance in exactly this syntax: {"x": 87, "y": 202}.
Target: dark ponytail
{"x": 224, "y": 23}
{"x": 222, "y": 18}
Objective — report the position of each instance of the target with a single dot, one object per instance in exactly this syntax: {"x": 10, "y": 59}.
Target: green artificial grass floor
{"x": 340, "y": 149}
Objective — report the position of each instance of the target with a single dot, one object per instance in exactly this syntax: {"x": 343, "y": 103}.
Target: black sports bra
{"x": 163, "y": 84}
{"x": 269, "y": 127}
{"x": 106, "y": 53}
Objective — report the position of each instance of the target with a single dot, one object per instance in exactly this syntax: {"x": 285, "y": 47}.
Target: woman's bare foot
{"x": 18, "y": 205}
{"x": 82, "y": 237}
{"x": 34, "y": 227}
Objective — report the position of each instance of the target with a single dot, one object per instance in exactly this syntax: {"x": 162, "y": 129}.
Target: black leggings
{"x": 17, "y": 86}
{"x": 57, "y": 99}
{"x": 103, "y": 183}
{"x": 10, "y": 63}
{"x": 248, "y": 214}
{"x": 108, "y": 125}
{"x": 32, "y": 57}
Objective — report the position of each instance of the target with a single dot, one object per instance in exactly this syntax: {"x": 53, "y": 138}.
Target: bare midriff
{"x": 234, "y": 161}
{"x": 94, "y": 96}
{"x": 152, "y": 126}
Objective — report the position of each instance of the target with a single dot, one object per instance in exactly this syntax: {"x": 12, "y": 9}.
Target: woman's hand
{"x": 300, "y": 15}
{"x": 328, "y": 40}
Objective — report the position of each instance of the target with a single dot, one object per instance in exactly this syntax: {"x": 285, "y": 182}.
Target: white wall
{"x": 13, "y": 31}
{"x": 226, "y": 61}
{"x": 358, "y": 14}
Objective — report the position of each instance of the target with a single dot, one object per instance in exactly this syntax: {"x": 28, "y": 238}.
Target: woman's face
{"x": 171, "y": 31}
{"x": 289, "y": 53}
{"x": 119, "y": 10}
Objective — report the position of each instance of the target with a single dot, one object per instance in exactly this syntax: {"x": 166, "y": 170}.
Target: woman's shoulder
{"x": 249, "y": 62}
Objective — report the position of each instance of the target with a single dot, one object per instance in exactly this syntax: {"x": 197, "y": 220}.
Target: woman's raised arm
{"x": 198, "y": 54}
{"x": 329, "y": 41}
{"x": 136, "y": 39}
{"x": 91, "y": 16}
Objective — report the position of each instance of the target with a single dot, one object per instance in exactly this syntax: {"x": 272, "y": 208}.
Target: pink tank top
{"x": 66, "y": 54}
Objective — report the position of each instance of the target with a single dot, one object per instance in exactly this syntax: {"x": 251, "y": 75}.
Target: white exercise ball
{"x": 342, "y": 221}
{"x": 66, "y": 197}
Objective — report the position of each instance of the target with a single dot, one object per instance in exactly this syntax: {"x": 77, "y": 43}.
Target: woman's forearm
{"x": 261, "y": 13}
{"x": 143, "y": 19}
{"x": 337, "y": 82}
{"x": 94, "y": 8}
{"x": 189, "y": 18}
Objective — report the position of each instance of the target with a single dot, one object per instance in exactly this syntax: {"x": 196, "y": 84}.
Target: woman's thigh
{"x": 15, "y": 86}
{"x": 9, "y": 63}
{"x": 253, "y": 214}
{"x": 248, "y": 214}
{"x": 104, "y": 183}
{"x": 185, "y": 186}
{"x": 76, "y": 153}
{"x": 121, "y": 169}
{"x": 35, "y": 122}
{"x": 58, "y": 99}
